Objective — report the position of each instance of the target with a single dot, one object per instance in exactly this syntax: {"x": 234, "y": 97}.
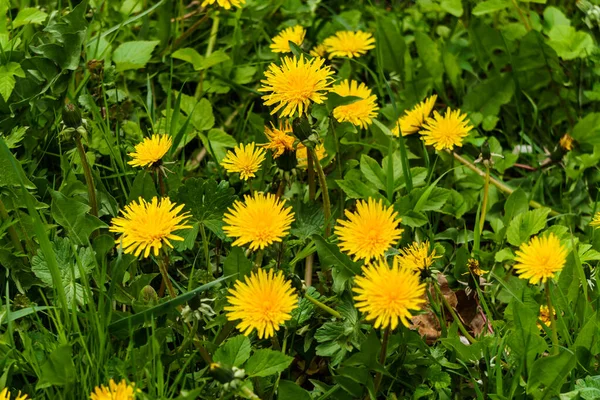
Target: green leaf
{"x": 570, "y": 43}
{"x": 73, "y": 215}
{"x": 517, "y": 203}
{"x": 236, "y": 264}
{"x": 143, "y": 186}
{"x": 524, "y": 339}
{"x": 218, "y": 142}
{"x": 355, "y": 189}
{"x": 488, "y": 96}
{"x": 200, "y": 112}
{"x": 234, "y": 352}
{"x": 308, "y": 220}
{"x": 372, "y": 172}
{"x": 198, "y": 61}
{"x": 330, "y": 255}
{"x": 453, "y": 7}
{"x": 207, "y": 201}
{"x": 490, "y": 6}
{"x": 429, "y": 54}
{"x": 134, "y": 55}
{"x": 549, "y": 373}
{"x": 526, "y": 224}
{"x": 29, "y": 15}
{"x": 58, "y": 369}
{"x": 266, "y": 362}
{"x": 289, "y": 390}
{"x": 9, "y": 176}
{"x": 390, "y": 45}
{"x": 7, "y": 78}
{"x": 587, "y": 130}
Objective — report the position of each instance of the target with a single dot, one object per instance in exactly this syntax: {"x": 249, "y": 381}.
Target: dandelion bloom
{"x": 349, "y": 44}
{"x": 147, "y": 225}
{"x": 596, "y": 221}
{"x": 540, "y": 259}
{"x": 414, "y": 119}
{"x": 5, "y": 395}
{"x": 318, "y": 51}
{"x": 280, "y": 139}
{"x": 281, "y": 43}
{"x": 474, "y": 268}
{"x": 226, "y": 4}
{"x": 121, "y": 391}
{"x": 447, "y": 131}
{"x": 150, "y": 151}
{"x": 302, "y": 156}
{"x": 260, "y": 220}
{"x": 244, "y": 159}
{"x": 263, "y": 302}
{"x": 417, "y": 256}
{"x": 369, "y": 231}
{"x": 566, "y": 142}
{"x": 359, "y": 113}
{"x": 295, "y": 84}
{"x": 545, "y": 316}
{"x": 387, "y": 295}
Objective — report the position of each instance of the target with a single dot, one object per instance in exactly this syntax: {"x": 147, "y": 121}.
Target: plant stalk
{"x": 555, "y": 349}
{"x": 322, "y": 306}
{"x": 486, "y": 190}
{"x": 205, "y": 247}
{"x": 87, "y": 172}
{"x": 382, "y": 357}
{"x": 163, "y": 266}
{"x": 462, "y": 328}
{"x": 324, "y": 191}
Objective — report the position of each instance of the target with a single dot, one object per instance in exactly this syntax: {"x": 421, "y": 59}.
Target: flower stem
{"x": 258, "y": 259}
{"x": 324, "y": 191}
{"x": 382, "y": 357}
{"x": 500, "y": 185}
{"x": 205, "y": 247}
{"x": 161, "y": 183}
{"x": 486, "y": 190}
{"x": 87, "y": 172}
{"x": 462, "y": 328}
{"x": 552, "y": 319}
{"x": 163, "y": 266}
{"x": 311, "y": 176}
{"x": 322, "y": 306}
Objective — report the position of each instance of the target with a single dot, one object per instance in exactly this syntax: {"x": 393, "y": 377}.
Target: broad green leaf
{"x": 490, "y": 6}
{"x": 524, "y": 339}
{"x": 289, "y": 390}
{"x": 390, "y": 45}
{"x": 218, "y": 142}
{"x": 198, "y": 61}
{"x": 58, "y": 369}
{"x": 453, "y": 7}
{"x": 9, "y": 177}
{"x": 234, "y": 352}
{"x": 308, "y": 220}
{"x": 201, "y": 112}
{"x": 134, "y": 55}
{"x": 372, "y": 171}
{"x": 73, "y": 215}
{"x": 7, "y": 78}
{"x": 266, "y": 362}
{"x": 549, "y": 373}
{"x": 355, "y": 189}
{"x": 236, "y": 264}
{"x": 587, "y": 130}
{"x": 429, "y": 54}
{"x": 516, "y": 204}
{"x": 526, "y": 224}
{"x": 29, "y": 15}
{"x": 570, "y": 43}
{"x": 488, "y": 96}
{"x": 143, "y": 186}
{"x": 330, "y": 255}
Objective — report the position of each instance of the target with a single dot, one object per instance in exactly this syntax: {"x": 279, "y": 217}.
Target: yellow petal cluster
{"x": 114, "y": 391}
{"x": 360, "y": 112}
{"x": 541, "y": 258}
{"x": 413, "y": 119}
{"x": 244, "y": 159}
{"x": 349, "y": 44}
{"x": 150, "y": 151}
{"x": 294, "y": 34}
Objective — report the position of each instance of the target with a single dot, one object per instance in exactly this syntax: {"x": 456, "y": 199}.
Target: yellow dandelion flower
{"x": 263, "y": 302}
{"x": 280, "y": 139}
{"x": 5, "y": 395}
{"x": 474, "y": 267}
{"x": 302, "y": 157}
{"x": 147, "y": 225}
{"x": 540, "y": 259}
{"x": 260, "y": 221}
{"x": 318, "y": 51}
{"x": 281, "y": 43}
{"x": 150, "y": 151}
{"x": 359, "y": 113}
{"x": 369, "y": 231}
{"x": 417, "y": 256}
{"x": 596, "y": 221}
{"x": 566, "y": 142}
{"x": 244, "y": 159}
{"x": 414, "y": 119}
{"x": 545, "y": 316}
{"x": 349, "y": 44}
{"x": 447, "y": 131}
{"x": 387, "y": 295}
{"x": 295, "y": 84}
{"x": 121, "y": 391}
{"x": 226, "y": 4}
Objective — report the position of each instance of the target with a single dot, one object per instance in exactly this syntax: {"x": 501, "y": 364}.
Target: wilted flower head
{"x": 280, "y": 139}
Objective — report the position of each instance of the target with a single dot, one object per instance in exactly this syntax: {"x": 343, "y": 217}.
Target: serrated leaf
{"x": 234, "y": 352}
{"x": 526, "y": 224}
{"x": 266, "y": 362}
{"x": 587, "y": 130}
{"x": 134, "y": 55}
{"x": 372, "y": 171}
{"x": 308, "y": 220}
{"x": 29, "y": 15}
{"x": 330, "y": 255}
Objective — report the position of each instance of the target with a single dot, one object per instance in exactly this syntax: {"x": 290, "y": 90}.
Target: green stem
{"x": 555, "y": 349}
{"x": 500, "y": 185}
{"x": 486, "y": 189}
{"x": 161, "y": 183}
{"x": 324, "y": 191}
{"x": 382, "y": 357}
{"x": 87, "y": 172}
{"x": 462, "y": 328}
{"x": 12, "y": 232}
{"x": 163, "y": 266}
{"x": 311, "y": 176}
{"x": 258, "y": 259}
{"x": 205, "y": 247}
{"x": 322, "y": 306}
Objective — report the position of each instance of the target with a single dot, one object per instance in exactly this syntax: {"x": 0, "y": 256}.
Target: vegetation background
{"x": 75, "y": 311}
